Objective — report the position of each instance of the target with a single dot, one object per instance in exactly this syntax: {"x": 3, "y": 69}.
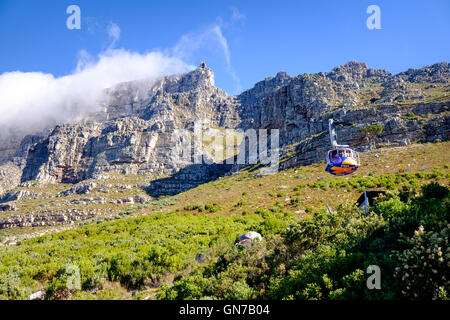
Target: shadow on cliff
{"x": 187, "y": 178}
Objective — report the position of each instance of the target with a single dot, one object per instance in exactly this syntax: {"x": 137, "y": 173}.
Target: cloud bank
{"x": 33, "y": 101}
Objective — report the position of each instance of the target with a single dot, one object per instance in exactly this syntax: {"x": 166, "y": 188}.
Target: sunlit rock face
{"x": 133, "y": 132}
{"x": 10, "y": 176}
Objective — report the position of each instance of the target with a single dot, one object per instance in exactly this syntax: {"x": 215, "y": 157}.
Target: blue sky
{"x": 262, "y": 37}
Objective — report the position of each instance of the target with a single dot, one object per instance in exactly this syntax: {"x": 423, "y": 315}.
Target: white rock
{"x": 39, "y": 295}
{"x": 252, "y": 235}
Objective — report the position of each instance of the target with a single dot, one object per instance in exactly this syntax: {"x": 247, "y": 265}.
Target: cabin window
{"x": 342, "y": 153}
{"x": 333, "y": 154}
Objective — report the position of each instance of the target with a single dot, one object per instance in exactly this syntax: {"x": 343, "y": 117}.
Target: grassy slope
{"x": 265, "y": 191}
{"x": 145, "y": 251}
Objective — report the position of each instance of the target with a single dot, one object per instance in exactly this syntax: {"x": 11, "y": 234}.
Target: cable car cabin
{"x": 341, "y": 161}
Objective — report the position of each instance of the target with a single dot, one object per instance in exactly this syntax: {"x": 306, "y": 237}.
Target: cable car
{"x": 341, "y": 160}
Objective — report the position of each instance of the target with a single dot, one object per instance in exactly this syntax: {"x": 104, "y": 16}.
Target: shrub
{"x": 240, "y": 203}
{"x": 372, "y": 129}
{"x": 260, "y": 211}
{"x": 213, "y": 207}
{"x": 434, "y": 190}
{"x": 239, "y": 291}
{"x": 422, "y": 266}
{"x": 10, "y": 284}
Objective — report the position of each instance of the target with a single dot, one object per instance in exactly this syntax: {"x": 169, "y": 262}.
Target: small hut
{"x": 367, "y": 199}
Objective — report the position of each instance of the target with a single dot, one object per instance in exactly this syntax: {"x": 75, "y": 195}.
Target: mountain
{"x": 132, "y": 132}
{"x": 106, "y": 196}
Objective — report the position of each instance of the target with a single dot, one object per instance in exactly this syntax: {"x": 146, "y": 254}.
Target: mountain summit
{"x": 132, "y": 132}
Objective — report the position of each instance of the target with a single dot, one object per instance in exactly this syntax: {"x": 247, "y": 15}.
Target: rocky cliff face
{"x": 301, "y": 106}
{"x": 410, "y": 107}
{"x": 132, "y": 133}
{"x": 10, "y": 176}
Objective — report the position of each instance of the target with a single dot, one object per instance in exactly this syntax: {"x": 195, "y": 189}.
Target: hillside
{"x": 116, "y": 205}
{"x": 138, "y": 250}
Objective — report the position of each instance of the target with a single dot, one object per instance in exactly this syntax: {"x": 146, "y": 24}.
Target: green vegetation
{"x": 201, "y": 208}
{"x": 371, "y": 132}
{"x": 326, "y": 256}
{"x": 413, "y": 116}
{"x": 388, "y": 181}
{"x": 135, "y": 251}
{"x": 149, "y": 250}
{"x": 372, "y": 129}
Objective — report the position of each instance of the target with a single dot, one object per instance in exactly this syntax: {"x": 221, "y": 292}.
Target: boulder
{"x": 246, "y": 243}
{"x": 39, "y": 295}
{"x": 252, "y": 235}
{"x": 201, "y": 258}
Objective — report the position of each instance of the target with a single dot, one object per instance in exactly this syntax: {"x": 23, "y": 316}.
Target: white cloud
{"x": 236, "y": 16}
{"x": 226, "y": 50}
{"x": 212, "y": 38}
{"x": 29, "y": 101}
{"x": 83, "y": 58}
{"x": 113, "y": 33}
